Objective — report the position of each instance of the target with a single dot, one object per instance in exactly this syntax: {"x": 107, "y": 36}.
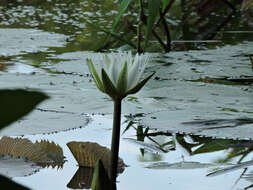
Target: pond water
{"x": 196, "y": 111}
{"x": 152, "y": 169}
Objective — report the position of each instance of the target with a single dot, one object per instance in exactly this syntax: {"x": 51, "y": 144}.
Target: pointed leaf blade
{"x": 122, "y": 8}
{"x": 100, "y": 179}
{"x": 109, "y": 87}
{"x": 95, "y": 75}
{"x": 153, "y": 12}
{"x": 17, "y": 103}
{"x": 122, "y": 81}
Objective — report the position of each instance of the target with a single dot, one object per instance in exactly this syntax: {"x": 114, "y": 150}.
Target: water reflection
{"x": 192, "y": 144}
{"x": 82, "y": 178}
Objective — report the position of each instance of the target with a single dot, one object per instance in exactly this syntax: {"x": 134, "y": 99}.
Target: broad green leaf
{"x": 153, "y": 12}
{"x": 14, "y": 104}
{"x": 109, "y": 87}
{"x": 100, "y": 179}
{"x": 165, "y": 3}
{"x": 7, "y": 183}
{"x": 122, "y": 81}
{"x": 95, "y": 75}
{"x": 140, "y": 85}
{"x": 122, "y": 8}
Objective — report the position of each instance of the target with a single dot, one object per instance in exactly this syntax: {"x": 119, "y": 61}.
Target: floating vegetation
{"x": 88, "y": 153}
{"x": 244, "y": 80}
{"x": 43, "y": 152}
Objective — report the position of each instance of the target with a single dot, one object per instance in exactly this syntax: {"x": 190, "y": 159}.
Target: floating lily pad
{"x": 17, "y": 167}
{"x": 20, "y": 41}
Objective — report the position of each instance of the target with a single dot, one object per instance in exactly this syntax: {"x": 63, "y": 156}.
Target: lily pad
{"x": 17, "y": 167}
{"x": 19, "y": 41}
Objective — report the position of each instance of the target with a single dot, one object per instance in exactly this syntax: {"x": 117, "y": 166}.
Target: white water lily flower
{"x": 119, "y": 74}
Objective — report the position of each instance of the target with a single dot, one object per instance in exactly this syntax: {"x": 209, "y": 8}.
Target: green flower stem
{"x": 115, "y": 141}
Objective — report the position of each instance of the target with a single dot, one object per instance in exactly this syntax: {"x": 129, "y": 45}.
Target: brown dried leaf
{"x": 39, "y": 152}
{"x": 88, "y": 153}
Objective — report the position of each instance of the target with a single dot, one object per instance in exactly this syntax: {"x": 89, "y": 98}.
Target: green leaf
{"x": 95, "y": 75}
{"x": 122, "y": 8}
{"x": 115, "y": 35}
{"x": 140, "y": 85}
{"x": 208, "y": 148}
{"x": 153, "y": 12}
{"x": 109, "y": 87}
{"x": 7, "y": 183}
{"x": 165, "y": 3}
{"x": 17, "y": 103}
{"x": 128, "y": 126}
{"x": 122, "y": 81}
{"x": 100, "y": 179}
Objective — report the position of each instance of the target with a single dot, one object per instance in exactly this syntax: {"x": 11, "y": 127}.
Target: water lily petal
{"x": 143, "y": 60}
{"x": 132, "y": 75}
{"x": 139, "y": 85}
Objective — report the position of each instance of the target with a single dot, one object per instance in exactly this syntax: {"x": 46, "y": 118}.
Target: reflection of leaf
{"x": 178, "y": 165}
{"x": 40, "y": 152}
{"x": 8, "y": 184}
{"x": 82, "y": 178}
{"x": 146, "y": 146}
{"x": 88, "y": 153}
{"x": 17, "y": 103}
{"x": 232, "y": 168}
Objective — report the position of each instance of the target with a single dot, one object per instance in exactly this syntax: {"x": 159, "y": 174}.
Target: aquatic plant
{"x": 14, "y": 105}
{"x": 118, "y": 75}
